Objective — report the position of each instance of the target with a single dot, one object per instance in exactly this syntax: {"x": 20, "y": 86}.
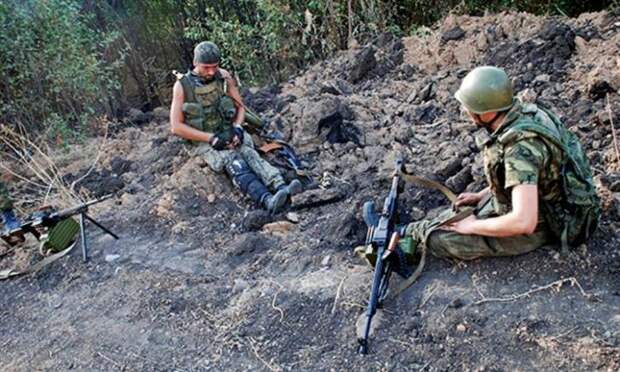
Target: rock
{"x": 138, "y": 117}
{"x": 161, "y": 112}
{"x": 581, "y": 44}
{"x": 279, "y": 227}
{"x": 324, "y": 120}
{"x": 461, "y": 328}
{"x": 481, "y": 41}
{"x": 417, "y": 214}
{"x": 211, "y": 198}
{"x": 457, "y": 303}
{"x": 449, "y": 167}
{"x": 293, "y": 217}
{"x": 325, "y": 260}
{"x": 112, "y": 257}
{"x": 464, "y": 54}
{"x": 248, "y": 243}
{"x": 599, "y": 89}
{"x": 317, "y": 197}
{"x": 337, "y": 87}
{"x": 240, "y": 285}
{"x": 459, "y": 181}
{"x": 528, "y": 95}
{"x": 455, "y": 33}
{"x": 544, "y": 78}
{"x": 362, "y": 63}
{"x": 344, "y": 227}
{"x": 256, "y": 219}
{"x": 596, "y": 144}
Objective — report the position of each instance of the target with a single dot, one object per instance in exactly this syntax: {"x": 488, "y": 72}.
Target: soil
{"x": 202, "y": 280}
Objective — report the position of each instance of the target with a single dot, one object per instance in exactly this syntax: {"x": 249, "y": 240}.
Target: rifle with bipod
{"x": 59, "y": 226}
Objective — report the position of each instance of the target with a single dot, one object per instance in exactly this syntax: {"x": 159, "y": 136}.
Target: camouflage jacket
{"x": 533, "y": 147}
{"x": 515, "y": 157}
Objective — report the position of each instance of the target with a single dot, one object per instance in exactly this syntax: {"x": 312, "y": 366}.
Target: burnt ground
{"x": 200, "y": 280}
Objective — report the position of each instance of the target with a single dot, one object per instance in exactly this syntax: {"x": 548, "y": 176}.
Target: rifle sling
{"x": 429, "y": 184}
{"x": 8, "y": 273}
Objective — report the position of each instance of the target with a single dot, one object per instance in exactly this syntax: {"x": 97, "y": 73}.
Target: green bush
{"x": 55, "y": 77}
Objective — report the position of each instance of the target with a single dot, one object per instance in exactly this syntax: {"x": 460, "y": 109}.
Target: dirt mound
{"x": 202, "y": 280}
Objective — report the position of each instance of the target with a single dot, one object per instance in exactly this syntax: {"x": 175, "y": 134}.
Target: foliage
{"x": 54, "y": 75}
{"x": 64, "y": 60}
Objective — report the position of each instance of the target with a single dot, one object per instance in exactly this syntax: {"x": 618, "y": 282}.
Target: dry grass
{"x": 29, "y": 161}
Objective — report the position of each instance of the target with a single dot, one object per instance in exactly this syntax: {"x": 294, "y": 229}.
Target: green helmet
{"x": 485, "y": 89}
{"x": 207, "y": 52}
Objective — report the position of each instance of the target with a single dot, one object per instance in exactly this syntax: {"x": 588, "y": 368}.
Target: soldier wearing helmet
{"x": 540, "y": 185}
{"x": 207, "y": 110}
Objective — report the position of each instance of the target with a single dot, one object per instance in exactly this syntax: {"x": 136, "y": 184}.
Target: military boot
{"x": 10, "y": 221}
{"x": 274, "y": 202}
{"x": 292, "y": 188}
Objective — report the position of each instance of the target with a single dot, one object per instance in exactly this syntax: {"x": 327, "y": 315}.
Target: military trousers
{"x": 5, "y": 199}
{"x": 450, "y": 244}
{"x": 219, "y": 159}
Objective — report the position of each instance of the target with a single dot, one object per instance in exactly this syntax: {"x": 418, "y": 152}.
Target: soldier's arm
{"x": 524, "y": 161}
{"x": 233, "y": 92}
{"x": 522, "y": 219}
{"x": 177, "y": 120}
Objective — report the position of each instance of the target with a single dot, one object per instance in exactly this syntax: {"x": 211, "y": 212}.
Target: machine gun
{"x": 382, "y": 245}
{"x": 59, "y": 223}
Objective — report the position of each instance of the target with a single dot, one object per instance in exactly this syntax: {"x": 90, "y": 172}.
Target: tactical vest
{"x": 571, "y": 207}
{"x": 207, "y": 107}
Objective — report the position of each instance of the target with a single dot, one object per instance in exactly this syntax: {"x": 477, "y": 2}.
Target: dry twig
{"x": 424, "y": 301}
{"x": 554, "y": 285}
{"x": 279, "y": 309}
{"x": 338, "y": 294}
{"x": 267, "y": 364}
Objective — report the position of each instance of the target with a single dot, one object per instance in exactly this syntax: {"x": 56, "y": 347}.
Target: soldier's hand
{"x": 216, "y": 142}
{"x": 467, "y": 198}
{"x": 237, "y": 138}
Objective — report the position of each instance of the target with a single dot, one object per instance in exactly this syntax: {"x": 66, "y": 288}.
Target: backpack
{"x": 576, "y": 217}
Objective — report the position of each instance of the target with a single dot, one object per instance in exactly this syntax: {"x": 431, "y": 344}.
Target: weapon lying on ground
{"x": 381, "y": 243}
{"x": 59, "y": 226}
{"x": 285, "y": 156}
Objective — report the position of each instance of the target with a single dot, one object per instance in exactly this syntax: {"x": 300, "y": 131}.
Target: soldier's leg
{"x": 217, "y": 160}
{"x": 246, "y": 180}
{"x": 242, "y": 176}
{"x": 442, "y": 243}
{"x": 269, "y": 174}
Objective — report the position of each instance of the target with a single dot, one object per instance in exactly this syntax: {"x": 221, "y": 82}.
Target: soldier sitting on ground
{"x": 207, "y": 109}
{"x": 540, "y": 184}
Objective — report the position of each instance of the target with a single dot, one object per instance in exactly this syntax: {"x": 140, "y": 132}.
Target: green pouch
{"x": 62, "y": 235}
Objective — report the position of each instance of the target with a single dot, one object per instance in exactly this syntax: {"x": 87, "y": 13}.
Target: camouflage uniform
{"x": 5, "y": 200}
{"x": 209, "y": 109}
{"x": 219, "y": 159}
{"x": 511, "y": 158}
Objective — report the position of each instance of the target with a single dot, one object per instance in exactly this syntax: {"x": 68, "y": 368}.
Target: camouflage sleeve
{"x": 524, "y": 161}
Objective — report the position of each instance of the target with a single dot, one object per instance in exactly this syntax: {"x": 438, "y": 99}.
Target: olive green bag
{"x": 576, "y": 218}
